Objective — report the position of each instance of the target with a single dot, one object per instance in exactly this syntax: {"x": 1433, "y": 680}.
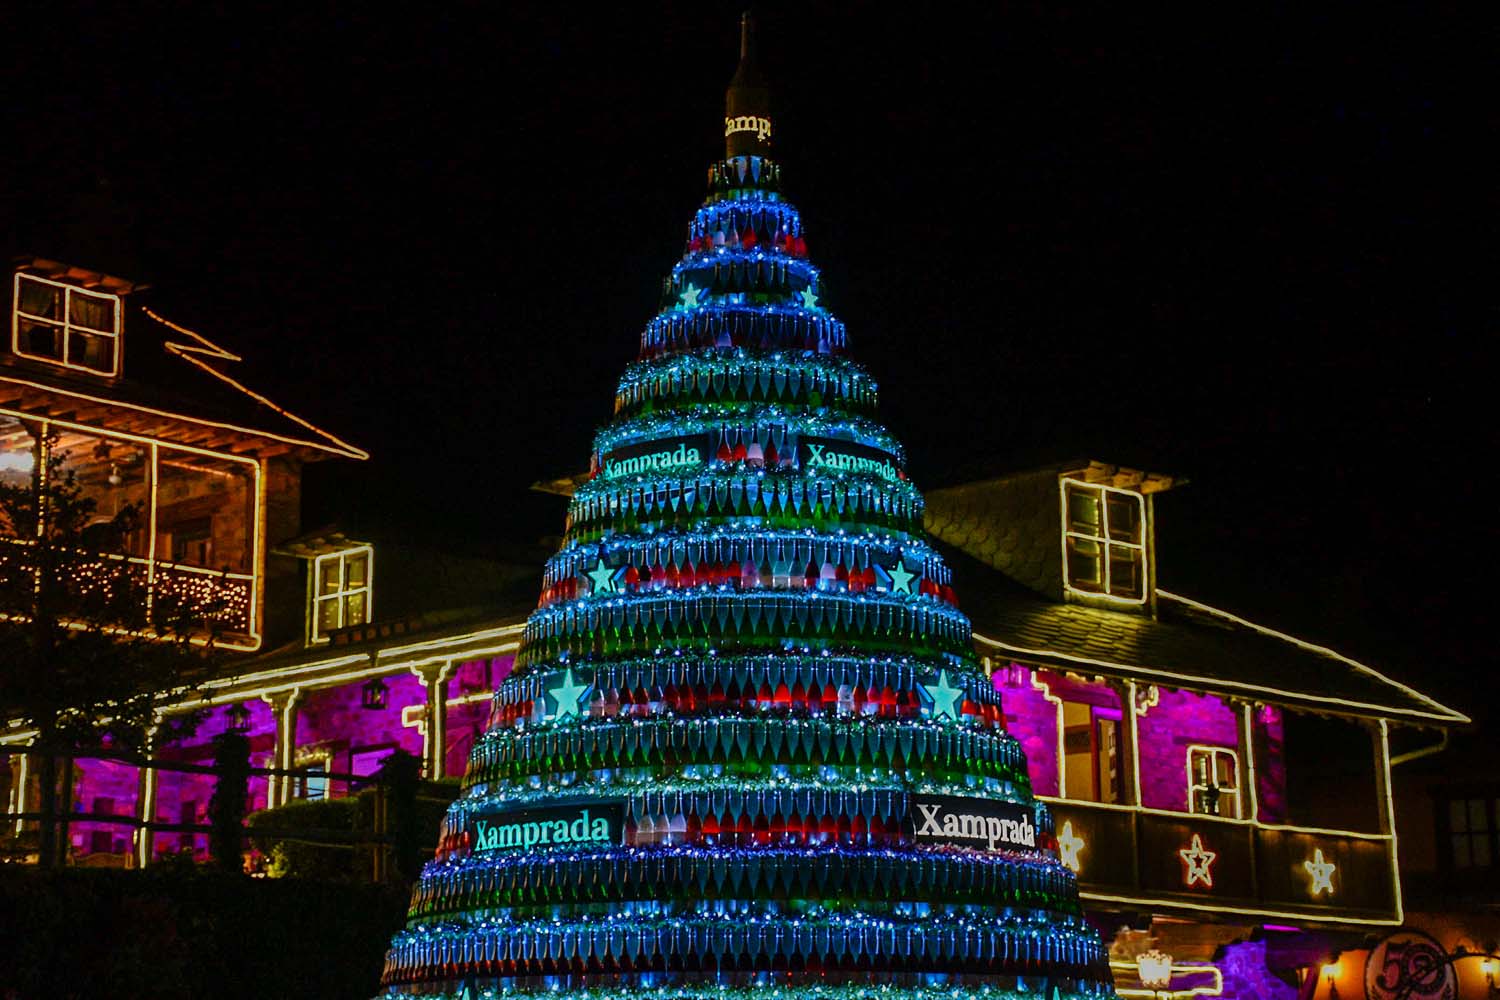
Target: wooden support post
{"x": 284, "y": 705}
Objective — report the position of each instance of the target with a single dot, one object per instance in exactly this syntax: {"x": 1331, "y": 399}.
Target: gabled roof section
{"x": 1189, "y": 645}
{"x": 1010, "y": 523}
{"x": 175, "y": 384}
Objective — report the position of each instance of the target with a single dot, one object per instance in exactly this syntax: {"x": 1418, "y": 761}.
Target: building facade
{"x": 1223, "y": 790}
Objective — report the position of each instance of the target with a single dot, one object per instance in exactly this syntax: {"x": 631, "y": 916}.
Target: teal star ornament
{"x": 901, "y": 577}
{"x": 946, "y": 698}
{"x": 809, "y": 298}
{"x": 567, "y": 692}
{"x": 689, "y": 297}
{"x": 604, "y": 578}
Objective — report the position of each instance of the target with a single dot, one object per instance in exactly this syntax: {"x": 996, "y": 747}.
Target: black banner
{"x": 577, "y": 824}
{"x": 828, "y": 454}
{"x": 663, "y": 455}
{"x": 982, "y": 824}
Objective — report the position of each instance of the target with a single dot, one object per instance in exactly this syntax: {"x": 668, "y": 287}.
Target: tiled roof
{"x": 1189, "y": 645}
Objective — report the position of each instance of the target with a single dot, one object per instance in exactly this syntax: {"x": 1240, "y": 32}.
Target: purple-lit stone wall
{"x": 1032, "y": 719}
{"x": 1246, "y": 976}
{"x": 1270, "y": 764}
{"x": 103, "y": 786}
{"x": 358, "y": 738}
{"x": 1166, "y": 730}
{"x": 471, "y": 686}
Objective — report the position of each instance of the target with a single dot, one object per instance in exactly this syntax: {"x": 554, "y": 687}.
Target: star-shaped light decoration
{"x": 1070, "y": 845}
{"x": 567, "y": 692}
{"x": 1196, "y": 864}
{"x": 946, "y": 698}
{"x": 809, "y": 298}
{"x": 604, "y": 578}
{"x": 1321, "y": 872}
{"x": 688, "y": 298}
{"x": 901, "y": 577}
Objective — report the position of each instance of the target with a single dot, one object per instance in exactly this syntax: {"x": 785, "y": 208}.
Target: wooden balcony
{"x": 1195, "y": 865}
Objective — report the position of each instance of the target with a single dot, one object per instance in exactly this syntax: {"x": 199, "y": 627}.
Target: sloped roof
{"x": 1189, "y": 645}
{"x": 175, "y": 382}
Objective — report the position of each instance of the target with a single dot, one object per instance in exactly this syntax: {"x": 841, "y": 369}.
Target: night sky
{"x": 1224, "y": 250}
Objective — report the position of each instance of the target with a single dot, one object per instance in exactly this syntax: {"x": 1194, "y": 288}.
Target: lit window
{"x": 1104, "y": 532}
{"x": 1471, "y": 832}
{"x": 1093, "y": 758}
{"x": 1214, "y": 781}
{"x": 66, "y": 325}
{"x": 341, "y": 590}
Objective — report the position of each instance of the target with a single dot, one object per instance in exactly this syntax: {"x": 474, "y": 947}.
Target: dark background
{"x": 1225, "y": 248}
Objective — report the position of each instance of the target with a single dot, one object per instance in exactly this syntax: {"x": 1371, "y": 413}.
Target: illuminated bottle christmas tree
{"x": 746, "y": 749}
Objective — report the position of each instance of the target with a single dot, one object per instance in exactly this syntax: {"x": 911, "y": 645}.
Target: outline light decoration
{"x": 1070, "y": 846}
{"x": 1197, "y": 864}
{"x": 1321, "y": 873}
{"x": 1124, "y": 970}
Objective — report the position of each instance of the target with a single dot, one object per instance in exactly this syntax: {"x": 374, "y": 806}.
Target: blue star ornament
{"x": 605, "y": 578}
{"x": 809, "y": 298}
{"x": 902, "y": 578}
{"x": 688, "y": 299}
{"x": 567, "y": 692}
{"x": 946, "y": 699}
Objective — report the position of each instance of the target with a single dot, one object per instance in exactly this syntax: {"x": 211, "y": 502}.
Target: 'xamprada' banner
{"x": 578, "y": 824}
{"x": 983, "y": 824}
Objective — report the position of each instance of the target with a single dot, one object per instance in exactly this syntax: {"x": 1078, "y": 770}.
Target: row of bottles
{"x": 768, "y": 329}
{"x": 781, "y": 500}
{"x": 759, "y": 278}
{"x": 694, "y": 381}
{"x": 764, "y": 226}
{"x": 693, "y": 874}
{"x": 750, "y": 177}
{"x": 591, "y": 947}
{"x": 708, "y": 559}
{"x": 704, "y": 684}
{"x": 827, "y": 579}
{"x": 944, "y": 756}
{"x": 760, "y": 619}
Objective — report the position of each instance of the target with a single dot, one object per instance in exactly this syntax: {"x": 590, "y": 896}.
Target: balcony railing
{"x": 224, "y": 600}
{"x": 1193, "y": 863}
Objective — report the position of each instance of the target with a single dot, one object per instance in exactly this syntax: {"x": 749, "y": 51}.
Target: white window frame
{"x": 1225, "y": 791}
{"x": 316, "y": 597}
{"x": 64, "y": 326}
{"x": 1103, "y": 540}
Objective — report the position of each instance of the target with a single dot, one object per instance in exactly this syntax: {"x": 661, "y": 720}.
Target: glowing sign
{"x": 1196, "y": 864}
{"x": 961, "y": 822}
{"x": 671, "y": 454}
{"x": 828, "y": 455}
{"x": 748, "y": 123}
{"x": 557, "y": 826}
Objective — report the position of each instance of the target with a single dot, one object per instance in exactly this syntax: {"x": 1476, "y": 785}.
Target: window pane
{"x": 1481, "y": 851}
{"x": 328, "y": 576}
{"x": 1125, "y": 571}
{"x": 1084, "y": 570}
{"x": 1478, "y": 821}
{"x": 90, "y": 351}
{"x": 354, "y": 567}
{"x": 1083, "y": 510}
{"x": 40, "y": 340}
{"x": 1224, "y": 765}
{"x": 1124, "y": 518}
{"x": 328, "y": 614}
{"x": 1458, "y": 816}
{"x": 92, "y": 312}
{"x": 1461, "y": 851}
{"x": 41, "y": 299}
{"x": 354, "y": 609}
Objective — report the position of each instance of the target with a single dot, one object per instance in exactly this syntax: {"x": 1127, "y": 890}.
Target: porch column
{"x": 145, "y": 804}
{"x": 1249, "y": 792}
{"x": 435, "y": 733}
{"x": 1128, "y": 734}
{"x": 284, "y": 705}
